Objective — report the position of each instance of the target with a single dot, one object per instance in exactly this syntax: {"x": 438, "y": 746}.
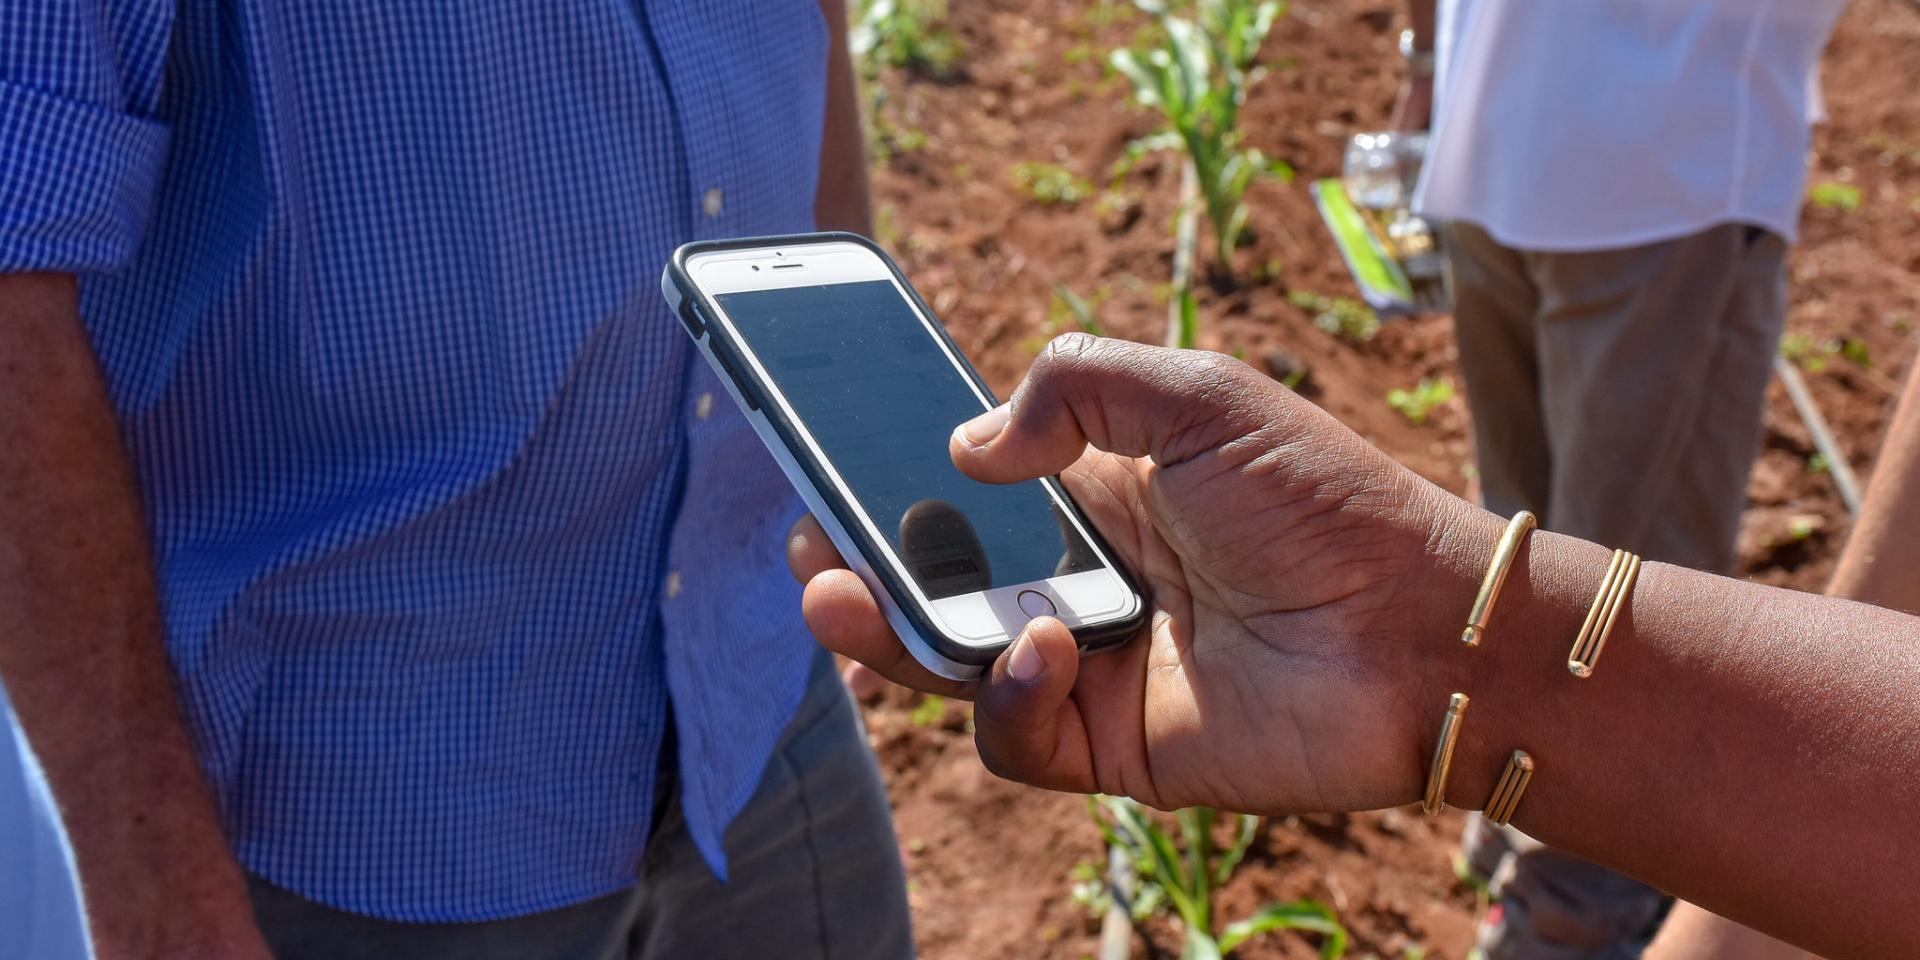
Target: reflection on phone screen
{"x": 880, "y": 398}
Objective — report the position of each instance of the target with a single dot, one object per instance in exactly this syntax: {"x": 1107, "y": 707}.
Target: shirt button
{"x": 673, "y": 584}
{"x": 713, "y": 201}
{"x": 703, "y": 407}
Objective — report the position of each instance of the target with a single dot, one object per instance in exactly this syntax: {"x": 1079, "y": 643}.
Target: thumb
{"x": 1124, "y": 398}
{"x": 1025, "y": 725}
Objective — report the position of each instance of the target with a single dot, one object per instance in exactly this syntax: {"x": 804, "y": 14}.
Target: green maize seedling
{"x": 1198, "y": 77}
{"x": 1186, "y": 870}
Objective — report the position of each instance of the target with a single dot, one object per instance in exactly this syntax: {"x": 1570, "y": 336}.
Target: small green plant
{"x": 1067, "y": 306}
{"x": 1068, "y": 311}
{"x": 931, "y": 709}
{"x": 1818, "y": 464}
{"x": 1348, "y": 319}
{"x": 1051, "y": 183}
{"x": 886, "y": 226}
{"x": 1187, "y": 867}
{"x": 1799, "y": 348}
{"x": 1104, "y": 14}
{"x": 909, "y": 34}
{"x": 1422, "y": 400}
{"x": 1831, "y": 195}
{"x": 1197, "y": 76}
{"x": 1801, "y": 526}
{"x": 887, "y": 139}
{"x": 1090, "y": 891}
{"x": 1813, "y": 355}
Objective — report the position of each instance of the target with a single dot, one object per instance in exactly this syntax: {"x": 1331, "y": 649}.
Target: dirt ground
{"x": 990, "y": 862}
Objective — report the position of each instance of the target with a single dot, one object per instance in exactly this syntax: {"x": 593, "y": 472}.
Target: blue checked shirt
{"x": 446, "y": 513}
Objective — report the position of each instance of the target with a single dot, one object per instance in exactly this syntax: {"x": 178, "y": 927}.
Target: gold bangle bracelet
{"x": 1436, "y": 798}
{"x": 1517, "y": 530}
{"x": 1507, "y": 793}
{"x": 1622, "y": 569}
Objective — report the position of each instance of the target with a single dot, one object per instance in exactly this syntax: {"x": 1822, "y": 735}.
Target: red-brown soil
{"x": 989, "y": 861}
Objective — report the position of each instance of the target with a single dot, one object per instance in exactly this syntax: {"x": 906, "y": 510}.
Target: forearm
{"x": 842, "y": 201}
{"x": 1883, "y": 552}
{"x": 81, "y": 653}
{"x": 1718, "y": 749}
{"x": 1421, "y": 18}
{"x": 1414, "y": 108}
{"x": 1691, "y": 933}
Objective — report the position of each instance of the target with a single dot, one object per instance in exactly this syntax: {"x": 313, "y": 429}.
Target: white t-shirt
{"x": 40, "y": 911}
{"x": 1596, "y": 124}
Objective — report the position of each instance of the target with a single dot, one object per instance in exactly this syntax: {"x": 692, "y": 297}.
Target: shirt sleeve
{"x": 80, "y": 148}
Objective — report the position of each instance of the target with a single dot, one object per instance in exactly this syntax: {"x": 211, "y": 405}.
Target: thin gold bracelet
{"x": 1622, "y": 569}
{"x": 1517, "y": 530}
{"x": 1512, "y": 785}
{"x": 1436, "y": 798}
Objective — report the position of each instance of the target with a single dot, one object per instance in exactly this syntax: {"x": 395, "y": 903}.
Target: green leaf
{"x": 1196, "y": 830}
{"x": 1145, "y": 79}
{"x": 1422, "y": 400}
{"x": 1200, "y": 945}
{"x": 1189, "y": 319}
{"x": 1082, "y": 310}
{"x": 1306, "y": 915}
{"x": 931, "y": 709}
{"x": 1160, "y": 861}
{"x": 1242, "y": 841}
{"x": 1830, "y": 195}
{"x": 1190, "y": 49}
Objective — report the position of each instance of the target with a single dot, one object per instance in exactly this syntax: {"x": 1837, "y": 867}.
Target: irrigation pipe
{"x": 1116, "y": 926}
{"x": 1837, "y": 465}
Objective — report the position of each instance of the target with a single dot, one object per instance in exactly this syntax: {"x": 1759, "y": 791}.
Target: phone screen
{"x": 880, "y": 398}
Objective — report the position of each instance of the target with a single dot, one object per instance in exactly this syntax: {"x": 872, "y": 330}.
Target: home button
{"x": 1033, "y": 603}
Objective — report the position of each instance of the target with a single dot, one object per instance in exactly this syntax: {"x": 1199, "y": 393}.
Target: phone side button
{"x": 691, "y": 319}
{"x": 739, "y": 385}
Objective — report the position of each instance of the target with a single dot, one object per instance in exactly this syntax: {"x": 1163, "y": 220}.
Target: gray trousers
{"x": 814, "y": 872}
{"x": 1618, "y": 395}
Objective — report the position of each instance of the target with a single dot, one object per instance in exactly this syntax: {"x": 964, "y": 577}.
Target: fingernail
{"x": 1024, "y": 664}
{"x": 983, "y": 428}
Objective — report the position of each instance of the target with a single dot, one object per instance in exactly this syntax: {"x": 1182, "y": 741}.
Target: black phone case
{"x": 695, "y": 308}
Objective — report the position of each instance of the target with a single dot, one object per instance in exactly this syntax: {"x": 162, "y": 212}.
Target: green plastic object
{"x": 1383, "y": 285}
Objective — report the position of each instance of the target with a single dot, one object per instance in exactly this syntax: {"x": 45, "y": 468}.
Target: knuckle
{"x": 1070, "y": 345}
{"x": 1215, "y": 368}
{"x": 1054, "y": 371}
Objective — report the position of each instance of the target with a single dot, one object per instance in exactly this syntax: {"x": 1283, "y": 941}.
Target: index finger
{"x": 1124, "y": 398}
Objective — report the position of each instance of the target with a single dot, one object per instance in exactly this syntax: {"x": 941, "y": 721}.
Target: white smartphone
{"x": 855, "y": 388}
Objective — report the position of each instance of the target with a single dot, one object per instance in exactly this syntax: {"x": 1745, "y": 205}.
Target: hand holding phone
{"x": 1294, "y": 581}
{"x": 856, "y": 389}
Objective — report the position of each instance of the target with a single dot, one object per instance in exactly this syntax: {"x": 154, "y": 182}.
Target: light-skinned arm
{"x": 81, "y": 652}
{"x": 1414, "y": 109}
{"x": 1876, "y": 567}
{"x": 1752, "y": 749}
{"x": 842, "y": 201}
{"x": 1883, "y": 552}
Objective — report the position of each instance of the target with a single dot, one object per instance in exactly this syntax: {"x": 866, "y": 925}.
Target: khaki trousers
{"x": 1618, "y": 395}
